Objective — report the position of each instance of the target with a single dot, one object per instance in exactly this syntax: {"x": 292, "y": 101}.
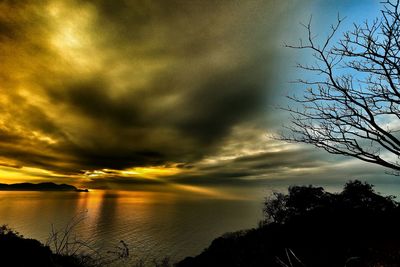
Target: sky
{"x": 125, "y": 94}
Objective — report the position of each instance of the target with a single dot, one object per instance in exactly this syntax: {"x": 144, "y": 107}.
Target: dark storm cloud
{"x": 137, "y": 121}
{"x": 167, "y": 83}
{"x": 92, "y": 99}
{"x": 222, "y": 101}
{"x": 112, "y": 85}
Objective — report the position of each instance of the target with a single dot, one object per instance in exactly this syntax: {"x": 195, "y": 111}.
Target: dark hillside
{"x": 17, "y": 251}
{"x": 311, "y": 227}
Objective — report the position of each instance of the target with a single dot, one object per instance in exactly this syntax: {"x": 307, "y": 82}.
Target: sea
{"x": 153, "y": 224}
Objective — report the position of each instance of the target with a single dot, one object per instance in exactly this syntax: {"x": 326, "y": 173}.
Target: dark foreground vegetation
{"x": 17, "y": 251}
{"x": 311, "y": 227}
{"x": 66, "y": 250}
{"x": 306, "y": 227}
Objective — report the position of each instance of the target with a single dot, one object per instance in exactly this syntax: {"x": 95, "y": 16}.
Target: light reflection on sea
{"x": 153, "y": 224}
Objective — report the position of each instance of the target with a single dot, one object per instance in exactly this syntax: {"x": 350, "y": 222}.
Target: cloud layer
{"x": 94, "y": 89}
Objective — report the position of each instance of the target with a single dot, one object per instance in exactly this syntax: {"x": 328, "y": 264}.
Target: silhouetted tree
{"x": 300, "y": 200}
{"x": 352, "y": 106}
{"x": 275, "y": 208}
{"x": 304, "y": 198}
{"x": 279, "y": 207}
{"x": 362, "y": 195}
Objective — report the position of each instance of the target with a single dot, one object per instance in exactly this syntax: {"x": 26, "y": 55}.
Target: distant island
{"x": 40, "y": 187}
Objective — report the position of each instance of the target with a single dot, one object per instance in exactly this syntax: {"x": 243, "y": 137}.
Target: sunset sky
{"x": 122, "y": 94}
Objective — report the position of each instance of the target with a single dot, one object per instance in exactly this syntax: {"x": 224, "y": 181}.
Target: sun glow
{"x": 152, "y": 172}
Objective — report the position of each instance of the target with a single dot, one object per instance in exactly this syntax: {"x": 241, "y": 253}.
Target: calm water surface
{"x": 153, "y": 224}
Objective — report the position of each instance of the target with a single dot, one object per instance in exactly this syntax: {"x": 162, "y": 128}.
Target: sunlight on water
{"x": 154, "y": 224}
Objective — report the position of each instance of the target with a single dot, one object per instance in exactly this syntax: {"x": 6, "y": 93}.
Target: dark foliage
{"x": 17, "y": 251}
{"x": 312, "y": 227}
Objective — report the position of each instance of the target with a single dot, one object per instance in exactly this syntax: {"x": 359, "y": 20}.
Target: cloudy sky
{"x": 127, "y": 93}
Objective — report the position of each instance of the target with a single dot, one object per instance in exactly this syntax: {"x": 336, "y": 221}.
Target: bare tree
{"x": 352, "y": 106}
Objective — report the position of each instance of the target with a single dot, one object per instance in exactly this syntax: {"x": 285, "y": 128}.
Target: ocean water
{"x": 153, "y": 224}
